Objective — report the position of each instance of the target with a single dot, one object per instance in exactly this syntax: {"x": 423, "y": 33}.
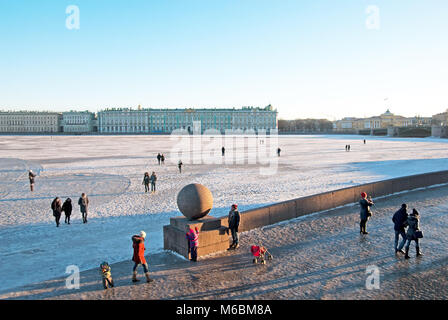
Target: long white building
{"x": 30, "y": 122}
{"x": 166, "y": 120}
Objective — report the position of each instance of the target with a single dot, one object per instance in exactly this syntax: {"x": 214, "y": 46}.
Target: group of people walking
{"x": 58, "y": 207}
{"x": 161, "y": 158}
{"x": 147, "y": 180}
{"x": 401, "y": 220}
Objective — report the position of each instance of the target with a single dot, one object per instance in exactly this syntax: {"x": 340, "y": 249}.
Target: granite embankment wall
{"x": 291, "y": 209}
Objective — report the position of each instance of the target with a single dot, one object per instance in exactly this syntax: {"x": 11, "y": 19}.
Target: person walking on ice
{"x": 400, "y": 222}
{"x": 31, "y": 176}
{"x": 67, "y": 208}
{"x": 159, "y": 157}
{"x": 56, "y": 206}
{"x": 138, "y": 244}
{"x": 413, "y": 233}
{"x": 83, "y": 203}
{"x": 365, "y": 212}
{"x": 234, "y": 222}
{"x": 179, "y": 165}
{"x": 193, "y": 242}
{"x": 146, "y": 181}
{"x": 153, "y": 180}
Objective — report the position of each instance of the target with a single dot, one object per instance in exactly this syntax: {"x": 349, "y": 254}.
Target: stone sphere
{"x": 195, "y": 201}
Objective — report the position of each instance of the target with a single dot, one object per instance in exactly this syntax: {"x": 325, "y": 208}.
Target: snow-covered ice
{"x": 110, "y": 170}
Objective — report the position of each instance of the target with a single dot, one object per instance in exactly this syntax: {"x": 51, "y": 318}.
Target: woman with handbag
{"x": 413, "y": 233}
{"x": 365, "y": 212}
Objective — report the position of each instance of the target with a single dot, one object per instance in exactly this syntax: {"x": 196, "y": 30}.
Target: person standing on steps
{"x": 56, "y": 206}
{"x": 83, "y": 203}
{"x": 413, "y": 233}
{"x": 146, "y": 181}
{"x": 138, "y": 244}
{"x": 153, "y": 180}
{"x": 234, "y": 222}
{"x": 67, "y": 208}
{"x": 179, "y": 165}
{"x": 400, "y": 222}
{"x": 193, "y": 242}
{"x": 31, "y": 176}
{"x": 365, "y": 212}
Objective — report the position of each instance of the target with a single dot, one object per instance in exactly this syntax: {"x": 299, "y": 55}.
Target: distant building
{"x": 78, "y": 122}
{"x": 167, "y": 120}
{"x": 440, "y": 119}
{"x": 383, "y": 121}
{"x": 30, "y": 122}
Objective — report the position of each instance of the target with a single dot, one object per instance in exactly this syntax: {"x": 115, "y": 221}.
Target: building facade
{"x": 165, "y": 121}
{"x": 78, "y": 122}
{"x": 383, "y": 121}
{"x": 30, "y": 122}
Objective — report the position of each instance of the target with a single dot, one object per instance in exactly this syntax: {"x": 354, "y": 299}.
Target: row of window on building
{"x": 119, "y": 120}
{"x": 388, "y": 119}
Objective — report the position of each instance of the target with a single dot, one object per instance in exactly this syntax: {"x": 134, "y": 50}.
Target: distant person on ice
{"x": 153, "y": 180}
{"x": 159, "y": 157}
{"x": 413, "y": 233}
{"x": 365, "y": 212}
{"x": 67, "y": 208}
{"x": 31, "y": 176}
{"x": 234, "y": 222}
{"x": 83, "y": 206}
{"x": 223, "y": 151}
{"x": 138, "y": 244}
{"x": 400, "y": 222}
{"x": 278, "y": 151}
{"x": 162, "y": 157}
{"x": 179, "y": 165}
{"x": 56, "y": 206}
{"x": 146, "y": 181}
{"x": 193, "y": 242}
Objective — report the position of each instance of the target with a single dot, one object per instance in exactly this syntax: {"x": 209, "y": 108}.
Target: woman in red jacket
{"x": 138, "y": 243}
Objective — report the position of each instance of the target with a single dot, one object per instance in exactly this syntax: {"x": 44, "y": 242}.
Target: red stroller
{"x": 260, "y": 254}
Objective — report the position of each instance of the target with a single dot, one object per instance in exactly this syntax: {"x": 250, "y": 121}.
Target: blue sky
{"x": 311, "y": 58}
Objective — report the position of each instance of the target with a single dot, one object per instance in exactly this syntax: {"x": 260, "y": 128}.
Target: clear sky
{"x": 310, "y": 58}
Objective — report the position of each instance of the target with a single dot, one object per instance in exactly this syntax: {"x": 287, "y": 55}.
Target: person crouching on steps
{"x": 106, "y": 274}
{"x": 193, "y": 242}
{"x": 365, "y": 212}
{"x": 138, "y": 243}
{"x": 234, "y": 222}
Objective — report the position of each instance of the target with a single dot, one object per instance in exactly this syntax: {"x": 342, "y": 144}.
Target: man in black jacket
{"x": 234, "y": 222}
{"x": 400, "y": 221}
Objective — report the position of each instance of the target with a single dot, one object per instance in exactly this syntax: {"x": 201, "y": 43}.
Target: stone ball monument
{"x": 195, "y": 201}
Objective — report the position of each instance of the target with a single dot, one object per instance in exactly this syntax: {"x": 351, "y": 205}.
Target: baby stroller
{"x": 260, "y": 254}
